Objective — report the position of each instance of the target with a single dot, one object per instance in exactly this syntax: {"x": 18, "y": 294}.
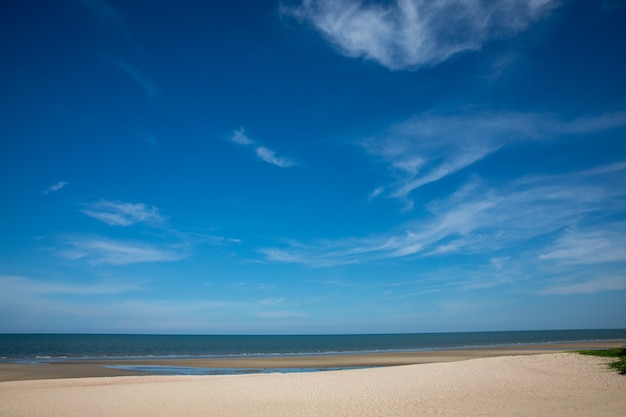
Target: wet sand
{"x": 83, "y": 369}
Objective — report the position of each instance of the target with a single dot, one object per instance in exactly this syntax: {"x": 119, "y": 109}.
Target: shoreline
{"x": 255, "y": 364}
{"x": 527, "y": 384}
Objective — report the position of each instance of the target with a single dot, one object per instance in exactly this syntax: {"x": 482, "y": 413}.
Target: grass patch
{"x": 619, "y": 353}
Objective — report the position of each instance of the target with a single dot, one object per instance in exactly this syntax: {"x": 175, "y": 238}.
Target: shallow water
{"x": 37, "y": 348}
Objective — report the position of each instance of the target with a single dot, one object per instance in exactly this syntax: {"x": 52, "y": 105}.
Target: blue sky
{"x": 314, "y": 166}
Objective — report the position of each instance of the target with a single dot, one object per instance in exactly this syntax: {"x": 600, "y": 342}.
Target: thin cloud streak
{"x": 270, "y": 157}
{"x": 104, "y": 251}
{"x": 26, "y": 286}
{"x": 410, "y": 34}
{"x": 428, "y": 148}
{"x": 24, "y": 302}
{"x": 172, "y": 245}
{"x": 239, "y": 137}
{"x": 137, "y": 76}
{"x": 141, "y": 80}
{"x": 592, "y": 286}
{"x": 55, "y": 187}
{"x": 119, "y": 213}
{"x": 479, "y": 218}
{"x": 584, "y": 247}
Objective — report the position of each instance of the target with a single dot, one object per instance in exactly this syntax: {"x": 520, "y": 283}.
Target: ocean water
{"x": 41, "y": 348}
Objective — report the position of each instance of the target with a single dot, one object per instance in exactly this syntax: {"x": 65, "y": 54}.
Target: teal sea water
{"x": 41, "y": 348}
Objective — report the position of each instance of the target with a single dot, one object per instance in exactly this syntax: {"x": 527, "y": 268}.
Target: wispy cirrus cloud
{"x": 119, "y": 213}
{"x": 271, "y": 301}
{"x": 276, "y": 313}
{"x": 410, "y": 34}
{"x": 270, "y": 157}
{"x": 55, "y": 187}
{"x": 281, "y": 314}
{"x": 430, "y": 147}
{"x": 134, "y": 73}
{"x": 588, "y": 286}
{"x": 161, "y": 243}
{"x": 109, "y": 15}
{"x": 37, "y": 305}
{"x": 101, "y": 250}
{"x": 580, "y": 246}
{"x": 480, "y": 218}
{"x": 239, "y": 137}
{"x": 17, "y": 285}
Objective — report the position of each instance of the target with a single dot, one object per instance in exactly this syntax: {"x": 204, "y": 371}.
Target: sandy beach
{"x": 478, "y": 382}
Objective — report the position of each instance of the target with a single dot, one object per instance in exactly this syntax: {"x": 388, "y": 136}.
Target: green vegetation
{"x": 620, "y": 353}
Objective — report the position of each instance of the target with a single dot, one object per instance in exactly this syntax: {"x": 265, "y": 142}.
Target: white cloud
{"x": 26, "y": 286}
{"x": 270, "y": 157}
{"x": 239, "y": 137}
{"x": 49, "y": 305}
{"x": 170, "y": 245}
{"x": 55, "y": 187}
{"x": 37, "y": 305}
{"x": 590, "y": 246}
{"x": 416, "y": 33}
{"x": 499, "y": 262}
{"x": 203, "y": 238}
{"x": 479, "y": 218}
{"x": 592, "y": 286}
{"x": 430, "y": 147}
{"x": 271, "y": 301}
{"x": 118, "y": 213}
{"x": 375, "y": 193}
{"x": 265, "y": 154}
{"x": 100, "y": 250}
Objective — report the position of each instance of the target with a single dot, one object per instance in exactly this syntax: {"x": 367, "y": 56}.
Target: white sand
{"x": 560, "y": 384}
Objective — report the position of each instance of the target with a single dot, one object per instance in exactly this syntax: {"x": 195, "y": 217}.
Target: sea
{"x": 42, "y": 348}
